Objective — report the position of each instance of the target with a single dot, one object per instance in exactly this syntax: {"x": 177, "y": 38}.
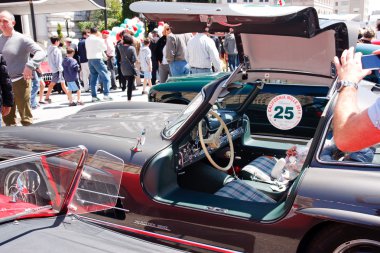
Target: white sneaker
{"x": 95, "y": 99}
{"x": 107, "y": 98}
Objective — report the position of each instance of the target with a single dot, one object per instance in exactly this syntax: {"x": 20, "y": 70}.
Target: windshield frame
{"x": 173, "y": 127}
{"x": 208, "y": 96}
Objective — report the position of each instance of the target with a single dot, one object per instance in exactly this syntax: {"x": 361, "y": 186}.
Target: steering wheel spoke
{"x": 214, "y": 142}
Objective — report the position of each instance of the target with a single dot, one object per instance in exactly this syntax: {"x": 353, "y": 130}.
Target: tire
{"x": 345, "y": 239}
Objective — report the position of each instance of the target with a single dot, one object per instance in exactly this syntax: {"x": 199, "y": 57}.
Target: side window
{"x": 331, "y": 153}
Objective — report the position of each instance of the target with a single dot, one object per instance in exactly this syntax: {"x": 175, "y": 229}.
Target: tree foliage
{"x": 126, "y": 12}
{"x": 59, "y": 31}
{"x": 114, "y": 16}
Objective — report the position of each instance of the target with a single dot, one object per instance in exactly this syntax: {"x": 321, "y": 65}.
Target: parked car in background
{"x": 42, "y": 194}
{"x": 193, "y": 176}
{"x": 47, "y": 76}
{"x": 181, "y": 90}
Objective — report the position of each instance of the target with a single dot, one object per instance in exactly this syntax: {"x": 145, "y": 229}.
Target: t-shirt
{"x": 16, "y": 50}
{"x": 95, "y": 47}
{"x": 145, "y": 59}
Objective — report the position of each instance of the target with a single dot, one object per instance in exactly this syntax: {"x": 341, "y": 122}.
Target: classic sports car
{"x": 195, "y": 179}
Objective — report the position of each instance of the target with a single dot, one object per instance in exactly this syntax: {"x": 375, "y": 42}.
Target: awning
{"x": 22, "y": 7}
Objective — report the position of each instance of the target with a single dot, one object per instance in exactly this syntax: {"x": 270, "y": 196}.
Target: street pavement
{"x": 60, "y": 108}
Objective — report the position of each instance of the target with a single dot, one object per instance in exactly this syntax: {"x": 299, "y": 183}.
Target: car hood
{"x": 273, "y": 38}
{"x": 113, "y": 127}
{"x": 117, "y": 119}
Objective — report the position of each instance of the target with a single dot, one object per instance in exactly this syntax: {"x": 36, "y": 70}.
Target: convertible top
{"x": 244, "y": 18}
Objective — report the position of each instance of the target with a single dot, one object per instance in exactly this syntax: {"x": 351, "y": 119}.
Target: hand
{"x": 27, "y": 73}
{"x": 349, "y": 67}
{"x": 5, "y": 110}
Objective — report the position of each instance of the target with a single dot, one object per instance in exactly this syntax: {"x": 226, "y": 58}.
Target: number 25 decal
{"x": 288, "y": 114}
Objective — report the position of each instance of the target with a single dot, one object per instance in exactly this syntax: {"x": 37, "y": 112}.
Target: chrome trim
{"x": 353, "y": 243}
{"x": 158, "y": 236}
{"x": 274, "y": 138}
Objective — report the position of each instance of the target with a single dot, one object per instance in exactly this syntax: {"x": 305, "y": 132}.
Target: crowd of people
{"x": 367, "y": 35}
{"x": 93, "y": 64}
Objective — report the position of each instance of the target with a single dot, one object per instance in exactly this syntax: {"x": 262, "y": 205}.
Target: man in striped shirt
{"x": 202, "y": 54}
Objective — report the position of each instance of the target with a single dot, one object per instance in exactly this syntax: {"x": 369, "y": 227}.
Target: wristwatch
{"x": 343, "y": 83}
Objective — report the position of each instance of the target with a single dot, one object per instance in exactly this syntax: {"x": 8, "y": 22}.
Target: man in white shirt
{"x": 201, "y": 53}
{"x": 110, "y": 52}
{"x": 95, "y": 48}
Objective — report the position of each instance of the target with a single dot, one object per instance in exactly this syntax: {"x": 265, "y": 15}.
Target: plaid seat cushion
{"x": 264, "y": 163}
{"x": 237, "y": 189}
{"x": 259, "y": 169}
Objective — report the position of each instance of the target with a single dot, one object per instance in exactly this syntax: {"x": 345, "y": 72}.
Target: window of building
{"x": 336, "y": 3}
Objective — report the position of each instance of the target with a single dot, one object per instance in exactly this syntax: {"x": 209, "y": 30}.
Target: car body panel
{"x": 65, "y": 234}
{"x": 243, "y": 17}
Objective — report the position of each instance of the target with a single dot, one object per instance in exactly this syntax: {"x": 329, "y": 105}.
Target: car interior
{"x": 231, "y": 161}
{"x": 248, "y": 170}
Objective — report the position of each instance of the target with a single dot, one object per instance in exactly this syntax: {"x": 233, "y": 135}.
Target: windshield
{"x": 174, "y": 125}
{"x": 230, "y": 97}
{"x": 99, "y": 187}
{"x": 45, "y": 184}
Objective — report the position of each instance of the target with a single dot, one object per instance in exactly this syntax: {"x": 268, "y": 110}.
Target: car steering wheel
{"x": 214, "y": 141}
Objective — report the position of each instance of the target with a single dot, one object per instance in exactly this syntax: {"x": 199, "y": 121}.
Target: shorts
{"x": 147, "y": 75}
{"x": 57, "y": 77}
{"x": 72, "y": 86}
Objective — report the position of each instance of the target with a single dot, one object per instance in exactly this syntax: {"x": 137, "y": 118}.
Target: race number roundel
{"x": 284, "y": 112}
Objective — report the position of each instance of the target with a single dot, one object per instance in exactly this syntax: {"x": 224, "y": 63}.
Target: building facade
{"x": 359, "y": 7}
{"x": 325, "y": 7}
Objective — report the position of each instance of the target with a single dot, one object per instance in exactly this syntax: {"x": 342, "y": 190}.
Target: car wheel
{"x": 345, "y": 239}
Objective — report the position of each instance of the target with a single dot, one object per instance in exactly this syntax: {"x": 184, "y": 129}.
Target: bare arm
{"x": 353, "y": 129}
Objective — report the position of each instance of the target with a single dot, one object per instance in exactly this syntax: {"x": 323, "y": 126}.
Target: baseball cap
{"x": 105, "y": 32}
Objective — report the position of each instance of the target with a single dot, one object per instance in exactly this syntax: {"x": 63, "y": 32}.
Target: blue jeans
{"x": 35, "y": 88}
{"x": 233, "y": 61}
{"x": 197, "y": 70}
{"x": 179, "y": 68}
{"x": 99, "y": 69}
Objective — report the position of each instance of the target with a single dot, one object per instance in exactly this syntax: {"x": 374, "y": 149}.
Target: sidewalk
{"x": 60, "y": 108}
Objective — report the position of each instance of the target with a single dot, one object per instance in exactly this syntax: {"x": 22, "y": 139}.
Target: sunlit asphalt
{"x": 60, "y": 108}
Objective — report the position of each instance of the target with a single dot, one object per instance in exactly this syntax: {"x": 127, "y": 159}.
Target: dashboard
{"x": 190, "y": 151}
